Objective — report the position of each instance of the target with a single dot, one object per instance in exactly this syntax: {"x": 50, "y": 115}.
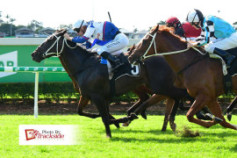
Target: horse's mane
{"x": 87, "y": 52}
{"x": 164, "y": 28}
{"x": 170, "y": 32}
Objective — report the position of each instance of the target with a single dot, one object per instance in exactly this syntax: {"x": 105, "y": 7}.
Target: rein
{"x": 171, "y": 53}
{"x": 166, "y": 53}
{"x": 58, "y": 53}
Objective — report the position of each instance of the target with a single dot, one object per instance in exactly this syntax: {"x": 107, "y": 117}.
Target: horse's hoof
{"x": 133, "y": 116}
{"x": 126, "y": 124}
{"x": 117, "y": 125}
{"x": 218, "y": 120}
{"x": 143, "y": 114}
{"x": 229, "y": 116}
{"x": 163, "y": 129}
{"x": 173, "y": 127}
{"x": 209, "y": 116}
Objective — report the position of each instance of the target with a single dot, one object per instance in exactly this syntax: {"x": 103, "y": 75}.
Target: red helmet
{"x": 172, "y": 20}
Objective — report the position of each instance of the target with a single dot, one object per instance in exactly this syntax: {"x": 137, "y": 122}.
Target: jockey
{"x": 105, "y": 34}
{"x": 183, "y": 30}
{"x": 217, "y": 35}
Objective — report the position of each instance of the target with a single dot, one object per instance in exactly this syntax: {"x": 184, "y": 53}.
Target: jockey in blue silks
{"x": 105, "y": 34}
{"x": 217, "y": 35}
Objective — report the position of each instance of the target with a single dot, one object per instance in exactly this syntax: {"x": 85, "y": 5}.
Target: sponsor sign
{"x": 8, "y": 60}
{"x": 49, "y": 135}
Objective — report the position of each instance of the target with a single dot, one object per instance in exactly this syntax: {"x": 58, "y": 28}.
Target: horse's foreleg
{"x": 168, "y": 109}
{"x": 230, "y": 108}
{"x": 124, "y": 119}
{"x": 141, "y": 93}
{"x": 81, "y": 105}
{"x": 198, "y": 104}
{"x": 134, "y": 106}
{"x": 173, "y": 107}
{"x": 131, "y": 110}
{"x": 151, "y": 101}
{"x": 216, "y": 110}
{"x": 112, "y": 118}
{"x": 103, "y": 107}
{"x": 155, "y": 98}
{"x": 204, "y": 114}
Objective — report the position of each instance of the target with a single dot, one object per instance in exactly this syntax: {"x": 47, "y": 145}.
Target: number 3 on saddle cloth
{"x": 124, "y": 70}
{"x": 228, "y": 73}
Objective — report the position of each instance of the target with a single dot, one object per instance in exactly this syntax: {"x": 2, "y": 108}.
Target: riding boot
{"x": 225, "y": 55}
{"x": 115, "y": 62}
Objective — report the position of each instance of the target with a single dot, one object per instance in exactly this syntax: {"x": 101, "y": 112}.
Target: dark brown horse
{"x": 90, "y": 78}
{"x": 199, "y": 74}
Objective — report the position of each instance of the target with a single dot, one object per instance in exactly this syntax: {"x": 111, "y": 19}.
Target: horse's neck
{"x": 73, "y": 60}
{"x": 181, "y": 60}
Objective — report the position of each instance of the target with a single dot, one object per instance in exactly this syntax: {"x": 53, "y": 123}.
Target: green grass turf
{"x": 143, "y": 138}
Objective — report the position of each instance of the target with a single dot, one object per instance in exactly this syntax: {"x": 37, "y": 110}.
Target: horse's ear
{"x": 157, "y": 27}
{"x": 61, "y": 32}
{"x": 154, "y": 30}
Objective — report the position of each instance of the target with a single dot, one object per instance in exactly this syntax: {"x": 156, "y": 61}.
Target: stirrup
{"x": 230, "y": 61}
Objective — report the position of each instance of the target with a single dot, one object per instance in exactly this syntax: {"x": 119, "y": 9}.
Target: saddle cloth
{"x": 228, "y": 72}
{"x": 126, "y": 69}
{"x": 233, "y": 69}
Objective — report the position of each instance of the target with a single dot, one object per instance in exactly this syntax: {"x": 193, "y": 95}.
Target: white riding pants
{"x": 115, "y": 46}
{"x": 224, "y": 44}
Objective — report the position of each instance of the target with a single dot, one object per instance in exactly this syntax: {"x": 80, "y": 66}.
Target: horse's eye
{"x": 145, "y": 41}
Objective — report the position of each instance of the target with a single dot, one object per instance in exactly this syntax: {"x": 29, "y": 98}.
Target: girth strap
{"x": 191, "y": 64}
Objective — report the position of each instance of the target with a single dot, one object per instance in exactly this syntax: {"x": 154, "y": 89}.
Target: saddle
{"x": 126, "y": 69}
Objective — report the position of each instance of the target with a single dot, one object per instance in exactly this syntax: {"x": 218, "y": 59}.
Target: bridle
{"x": 56, "y": 42}
{"x": 152, "y": 42}
{"x": 170, "y": 53}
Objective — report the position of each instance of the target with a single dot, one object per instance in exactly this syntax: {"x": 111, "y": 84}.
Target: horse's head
{"x": 50, "y": 47}
{"x": 143, "y": 47}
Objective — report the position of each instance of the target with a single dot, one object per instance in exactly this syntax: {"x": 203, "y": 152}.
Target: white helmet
{"x": 79, "y": 24}
{"x": 195, "y": 16}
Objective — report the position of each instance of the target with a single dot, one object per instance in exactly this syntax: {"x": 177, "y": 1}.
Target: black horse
{"x": 91, "y": 78}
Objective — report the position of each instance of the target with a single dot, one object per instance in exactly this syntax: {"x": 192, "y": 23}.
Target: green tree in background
{"x": 35, "y": 25}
